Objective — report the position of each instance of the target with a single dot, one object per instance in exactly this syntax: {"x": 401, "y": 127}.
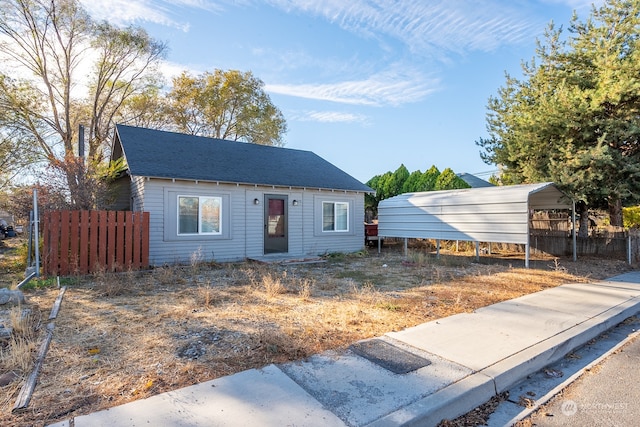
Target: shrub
{"x": 631, "y": 217}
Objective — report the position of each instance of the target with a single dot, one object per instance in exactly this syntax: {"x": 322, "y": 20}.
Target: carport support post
{"x": 438, "y": 248}
{"x": 477, "y": 251}
{"x": 406, "y": 248}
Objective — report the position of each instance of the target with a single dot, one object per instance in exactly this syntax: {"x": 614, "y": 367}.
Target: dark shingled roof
{"x": 160, "y": 154}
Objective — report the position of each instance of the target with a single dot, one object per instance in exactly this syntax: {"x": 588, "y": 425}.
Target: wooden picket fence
{"x": 82, "y": 242}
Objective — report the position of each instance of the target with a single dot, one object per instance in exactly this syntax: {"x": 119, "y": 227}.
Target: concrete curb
{"x": 542, "y": 400}
{"x": 430, "y": 410}
{"x": 478, "y": 388}
{"x": 513, "y": 369}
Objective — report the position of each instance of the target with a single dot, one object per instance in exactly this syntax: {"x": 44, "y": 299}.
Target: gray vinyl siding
{"x": 121, "y": 189}
{"x": 296, "y": 223}
{"x": 166, "y": 248}
{"x": 243, "y": 221}
{"x": 254, "y": 223}
{"x": 319, "y": 242}
{"x": 137, "y": 193}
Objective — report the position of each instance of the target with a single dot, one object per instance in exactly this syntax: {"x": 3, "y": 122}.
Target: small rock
{"x": 7, "y": 378}
{"x": 553, "y": 373}
{"x": 193, "y": 350}
{"x": 7, "y": 296}
{"x": 5, "y": 333}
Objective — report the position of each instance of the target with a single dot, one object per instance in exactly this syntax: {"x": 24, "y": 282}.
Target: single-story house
{"x": 223, "y": 200}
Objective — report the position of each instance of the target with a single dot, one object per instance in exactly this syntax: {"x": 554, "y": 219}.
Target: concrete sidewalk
{"x": 418, "y": 376}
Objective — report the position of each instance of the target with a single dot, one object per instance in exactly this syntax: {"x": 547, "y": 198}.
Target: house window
{"x": 335, "y": 216}
{"x": 199, "y": 215}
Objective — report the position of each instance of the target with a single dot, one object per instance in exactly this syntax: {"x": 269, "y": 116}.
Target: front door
{"x": 275, "y": 224}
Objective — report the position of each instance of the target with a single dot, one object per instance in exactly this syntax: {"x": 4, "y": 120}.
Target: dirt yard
{"x": 122, "y": 337}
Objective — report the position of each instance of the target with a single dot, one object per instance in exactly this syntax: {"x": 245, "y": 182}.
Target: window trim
{"x": 199, "y": 232}
{"x": 335, "y": 217}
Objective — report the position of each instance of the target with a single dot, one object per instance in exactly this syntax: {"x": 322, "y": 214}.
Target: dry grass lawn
{"x": 122, "y": 337}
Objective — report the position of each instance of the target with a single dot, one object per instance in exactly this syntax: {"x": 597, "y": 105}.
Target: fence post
{"x": 65, "y": 235}
{"x": 145, "y": 239}
{"x": 36, "y": 232}
{"x": 629, "y": 247}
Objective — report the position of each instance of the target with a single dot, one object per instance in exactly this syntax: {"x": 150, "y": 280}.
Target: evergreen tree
{"x": 428, "y": 179}
{"x": 401, "y": 181}
{"x": 574, "y": 116}
{"x": 448, "y": 180}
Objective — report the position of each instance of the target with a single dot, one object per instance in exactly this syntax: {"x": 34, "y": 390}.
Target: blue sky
{"x": 366, "y": 84}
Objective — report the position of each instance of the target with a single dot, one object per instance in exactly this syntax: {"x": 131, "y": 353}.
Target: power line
{"x": 487, "y": 173}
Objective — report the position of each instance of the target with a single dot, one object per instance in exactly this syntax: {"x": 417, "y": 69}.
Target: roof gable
{"x": 161, "y": 154}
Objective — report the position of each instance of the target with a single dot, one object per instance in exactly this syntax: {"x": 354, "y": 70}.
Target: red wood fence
{"x": 81, "y": 242}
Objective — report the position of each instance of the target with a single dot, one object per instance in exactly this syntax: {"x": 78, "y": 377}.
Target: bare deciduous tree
{"x": 48, "y": 44}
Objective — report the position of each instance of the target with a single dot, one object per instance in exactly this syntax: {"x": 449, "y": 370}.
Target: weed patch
{"x": 126, "y": 336}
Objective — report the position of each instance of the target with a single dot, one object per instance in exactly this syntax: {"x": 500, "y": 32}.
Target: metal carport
{"x": 491, "y": 214}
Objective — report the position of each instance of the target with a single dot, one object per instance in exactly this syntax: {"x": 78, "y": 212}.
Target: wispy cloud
{"x": 429, "y": 27}
{"x": 328, "y": 117}
{"x": 579, "y": 5}
{"x": 433, "y": 29}
{"x": 387, "y": 88}
{"x": 125, "y": 12}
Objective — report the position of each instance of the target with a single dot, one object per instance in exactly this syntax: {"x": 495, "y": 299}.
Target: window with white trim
{"x": 335, "y": 216}
{"x": 199, "y": 215}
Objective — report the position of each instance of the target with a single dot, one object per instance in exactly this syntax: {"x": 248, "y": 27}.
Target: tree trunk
{"x": 615, "y": 211}
{"x": 583, "y": 212}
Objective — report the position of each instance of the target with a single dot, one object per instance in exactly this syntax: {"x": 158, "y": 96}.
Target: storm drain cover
{"x": 389, "y": 356}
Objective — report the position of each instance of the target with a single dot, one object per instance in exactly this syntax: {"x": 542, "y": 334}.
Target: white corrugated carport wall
{"x": 491, "y": 214}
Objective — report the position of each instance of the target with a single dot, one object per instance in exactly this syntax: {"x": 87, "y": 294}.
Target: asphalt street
{"x": 608, "y": 394}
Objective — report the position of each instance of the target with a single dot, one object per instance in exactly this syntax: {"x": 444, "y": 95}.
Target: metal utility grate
{"x": 389, "y": 356}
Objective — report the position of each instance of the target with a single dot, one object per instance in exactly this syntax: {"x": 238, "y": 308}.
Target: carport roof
{"x": 540, "y": 196}
{"x": 488, "y": 214}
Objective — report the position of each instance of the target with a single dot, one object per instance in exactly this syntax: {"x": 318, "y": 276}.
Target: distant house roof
{"x": 160, "y": 154}
{"x": 474, "y": 181}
